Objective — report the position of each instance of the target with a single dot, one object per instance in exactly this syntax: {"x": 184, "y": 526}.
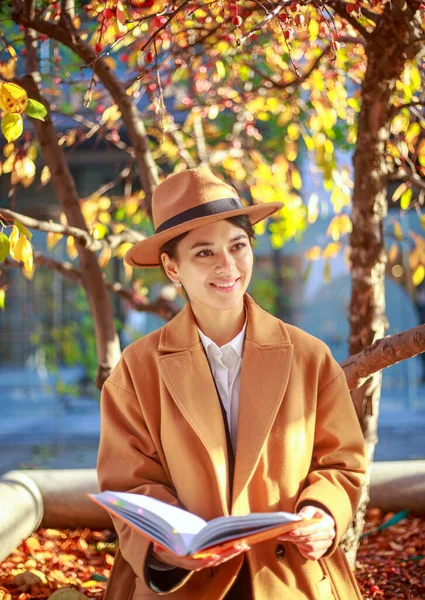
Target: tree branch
{"x": 82, "y": 237}
{"x": 340, "y": 8}
{"x": 130, "y": 114}
{"x": 399, "y": 107}
{"x": 413, "y": 178}
{"x": 201, "y": 145}
{"x": 296, "y": 81}
{"x": 383, "y": 353}
{"x": 162, "y": 307}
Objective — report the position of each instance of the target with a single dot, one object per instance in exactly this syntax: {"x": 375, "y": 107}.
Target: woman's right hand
{"x": 196, "y": 564}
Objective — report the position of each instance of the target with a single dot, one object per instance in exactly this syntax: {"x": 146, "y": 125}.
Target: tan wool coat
{"x": 299, "y": 441}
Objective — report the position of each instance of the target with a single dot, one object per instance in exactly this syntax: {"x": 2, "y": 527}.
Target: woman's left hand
{"x": 312, "y": 540}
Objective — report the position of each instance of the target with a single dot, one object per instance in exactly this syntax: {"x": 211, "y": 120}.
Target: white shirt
{"x": 226, "y": 363}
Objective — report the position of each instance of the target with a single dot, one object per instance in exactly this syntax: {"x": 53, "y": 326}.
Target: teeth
{"x": 225, "y": 285}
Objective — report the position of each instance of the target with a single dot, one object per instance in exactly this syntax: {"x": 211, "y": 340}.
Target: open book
{"x": 186, "y": 534}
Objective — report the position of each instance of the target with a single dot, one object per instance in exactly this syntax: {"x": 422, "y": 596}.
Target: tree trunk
{"x": 387, "y": 48}
{"x": 107, "y": 341}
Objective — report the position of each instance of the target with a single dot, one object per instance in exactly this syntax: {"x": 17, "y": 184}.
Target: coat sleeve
{"x": 128, "y": 462}
{"x": 338, "y": 462}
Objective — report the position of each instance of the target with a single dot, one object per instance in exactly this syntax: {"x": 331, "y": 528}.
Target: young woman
{"x": 227, "y": 410}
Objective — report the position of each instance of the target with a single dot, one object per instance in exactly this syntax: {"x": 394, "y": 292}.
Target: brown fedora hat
{"x": 186, "y": 200}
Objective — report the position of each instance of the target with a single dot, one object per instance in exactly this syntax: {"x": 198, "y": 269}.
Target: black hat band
{"x": 202, "y": 210}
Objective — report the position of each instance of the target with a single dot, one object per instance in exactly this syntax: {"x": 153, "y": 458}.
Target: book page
{"x": 150, "y": 513}
{"x": 225, "y": 528}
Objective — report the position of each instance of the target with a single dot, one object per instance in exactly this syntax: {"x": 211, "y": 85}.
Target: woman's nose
{"x": 225, "y": 261}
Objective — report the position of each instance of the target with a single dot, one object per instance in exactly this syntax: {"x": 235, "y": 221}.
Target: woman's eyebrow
{"x": 235, "y": 239}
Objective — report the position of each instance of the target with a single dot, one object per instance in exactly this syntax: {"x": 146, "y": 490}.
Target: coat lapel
{"x": 265, "y": 372}
{"x": 186, "y": 373}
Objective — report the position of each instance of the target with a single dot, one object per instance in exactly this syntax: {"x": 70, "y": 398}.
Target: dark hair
{"x": 170, "y": 247}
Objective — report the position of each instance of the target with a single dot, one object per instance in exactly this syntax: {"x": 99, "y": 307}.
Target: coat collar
{"x": 184, "y": 367}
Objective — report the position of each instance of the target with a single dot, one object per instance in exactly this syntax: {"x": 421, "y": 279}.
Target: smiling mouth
{"x": 227, "y": 285}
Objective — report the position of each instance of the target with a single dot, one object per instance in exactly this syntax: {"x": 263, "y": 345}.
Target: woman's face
{"x": 214, "y": 265}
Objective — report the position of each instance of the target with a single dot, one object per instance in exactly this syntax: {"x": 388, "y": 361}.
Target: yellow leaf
{"x": 8, "y": 149}
{"x": 2, "y": 298}
{"x": 45, "y": 175}
{"x": 71, "y": 248}
{"x": 22, "y": 252}
{"x": 393, "y": 253}
{"x": 400, "y": 191}
{"x": 12, "y": 126}
{"x": 13, "y": 98}
{"x": 90, "y": 583}
{"x": 99, "y": 231}
{"x": 7, "y": 69}
{"x": 419, "y": 275}
{"x": 25, "y": 170}
{"x": 104, "y": 257}
{"x": 128, "y": 272}
{"x": 14, "y": 237}
{"x": 296, "y": 180}
{"x": 53, "y": 239}
{"x": 313, "y": 253}
{"x": 398, "y": 232}
{"x": 313, "y": 28}
{"x": 331, "y": 250}
{"x": 111, "y": 114}
{"x": 422, "y": 221}
{"x": 405, "y": 199}
{"x": 121, "y": 250}
{"x": 293, "y": 131}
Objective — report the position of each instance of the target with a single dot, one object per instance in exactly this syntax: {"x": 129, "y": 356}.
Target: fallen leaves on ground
{"x": 75, "y": 565}
{"x": 391, "y": 562}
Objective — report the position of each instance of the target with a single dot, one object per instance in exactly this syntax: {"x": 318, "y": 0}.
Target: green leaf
{"x": 4, "y": 246}
{"x": 12, "y": 126}
{"x": 2, "y": 298}
{"x": 22, "y": 229}
{"x": 98, "y": 577}
{"x": 36, "y": 110}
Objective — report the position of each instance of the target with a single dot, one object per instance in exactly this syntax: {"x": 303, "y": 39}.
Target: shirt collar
{"x": 236, "y": 343}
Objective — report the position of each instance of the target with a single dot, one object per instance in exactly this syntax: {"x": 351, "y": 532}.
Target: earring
{"x": 177, "y": 284}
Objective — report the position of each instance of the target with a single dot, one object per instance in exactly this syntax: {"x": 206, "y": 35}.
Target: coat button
{"x": 280, "y": 551}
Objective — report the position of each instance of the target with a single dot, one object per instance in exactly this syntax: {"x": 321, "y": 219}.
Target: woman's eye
{"x": 239, "y": 246}
{"x": 204, "y": 253}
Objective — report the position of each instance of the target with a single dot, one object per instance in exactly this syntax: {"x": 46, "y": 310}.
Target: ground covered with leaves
{"x": 75, "y": 565}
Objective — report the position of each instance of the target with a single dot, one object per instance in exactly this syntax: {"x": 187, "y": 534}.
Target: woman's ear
{"x": 170, "y": 267}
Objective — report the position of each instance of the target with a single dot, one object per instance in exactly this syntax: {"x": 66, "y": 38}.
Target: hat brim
{"x": 144, "y": 254}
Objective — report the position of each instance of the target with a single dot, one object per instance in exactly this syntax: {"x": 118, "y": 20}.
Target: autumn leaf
{"x": 12, "y": 126}
{"x": 419, "y": 275}
{"x": 23, "y": 230}
{"x": 13, "y": 98}
{"x": 4, "y": 594}
{"x": 2, "y": 298}
{"x": 52, "y": 239}
{"x": 398, "y": 232}
{"x": 313, "y": 253}
{"x": 4, "y": 246}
